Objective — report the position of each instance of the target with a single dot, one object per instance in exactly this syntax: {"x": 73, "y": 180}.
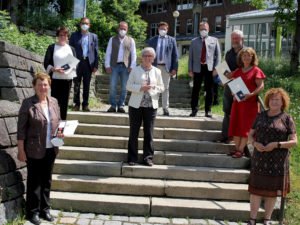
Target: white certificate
{"x": 238, "y": 88}
{"x": 223, "y": 70}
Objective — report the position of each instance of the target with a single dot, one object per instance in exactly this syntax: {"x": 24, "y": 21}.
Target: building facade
{"x": 191, "y": 13}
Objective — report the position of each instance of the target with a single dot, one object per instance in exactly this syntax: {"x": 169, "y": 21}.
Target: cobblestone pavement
{"x": 68, "y": 218}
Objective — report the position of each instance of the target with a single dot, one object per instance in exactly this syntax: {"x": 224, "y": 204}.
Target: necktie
{"x": 161, "y": 49}
{"x": 203, "y": 52}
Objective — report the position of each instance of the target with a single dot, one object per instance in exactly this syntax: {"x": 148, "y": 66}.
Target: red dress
{"x": 244, "y": 113}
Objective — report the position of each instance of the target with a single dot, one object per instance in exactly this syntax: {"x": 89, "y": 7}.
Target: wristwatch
{"x": 278, "y": 145}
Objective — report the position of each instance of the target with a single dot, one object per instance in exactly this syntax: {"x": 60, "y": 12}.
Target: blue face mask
{"x": 203, "y": 33}
{"x": 85, "y": 27}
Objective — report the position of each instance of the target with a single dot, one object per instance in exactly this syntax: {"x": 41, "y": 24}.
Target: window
{"x": 159, "y": 7}
{"x": 214, "y": 2}
{"x": 218, "y": 24}
{"x": 153, "y": 29}
{"x": 189, "y": 26}
{"x": 184, "y": 4}
{"x": 178, "y": 28}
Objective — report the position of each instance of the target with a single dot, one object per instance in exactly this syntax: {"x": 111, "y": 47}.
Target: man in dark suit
{"x": 86, "y": 47}
{"x": 166, "y": 59}
{"x": 204, "y": 56}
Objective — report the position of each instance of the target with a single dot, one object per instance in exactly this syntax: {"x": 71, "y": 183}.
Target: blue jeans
{"x": 118, "y": 71}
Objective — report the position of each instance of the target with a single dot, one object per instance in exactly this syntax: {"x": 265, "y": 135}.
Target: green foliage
{"x": 30, "y": 40}
{"x": 183, "y": 67}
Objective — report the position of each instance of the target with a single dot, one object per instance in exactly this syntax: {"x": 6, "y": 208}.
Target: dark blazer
{"x": 32, "y": 125}
{"x": 75, "y": 41}
{"x": 171, "y": 52}
{"x": 48, "y": 59}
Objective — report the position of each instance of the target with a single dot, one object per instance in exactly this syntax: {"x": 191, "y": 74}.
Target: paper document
{"x": 67, "y": 127}
{"x": 223, "y": 70}
{"x": 69, "y": 65}
{"x": 238, "y": 88}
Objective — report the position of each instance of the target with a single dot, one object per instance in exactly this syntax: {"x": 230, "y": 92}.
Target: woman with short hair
{"x": 272, "y": 135}
{"x": 145, "y": 84}
{"x": 61, "y": 74}
{"x": 38, "y": 120}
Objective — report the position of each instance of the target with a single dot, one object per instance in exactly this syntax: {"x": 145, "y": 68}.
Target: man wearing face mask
{"x": 166, "y": 60}
{"x": 231, "y": 59}
{"x": 120, "y": 59}
{"x": 204, "y": 56}
{"x": 86, "y": 47}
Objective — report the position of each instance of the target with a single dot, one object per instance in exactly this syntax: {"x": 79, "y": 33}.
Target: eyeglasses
{"x": 147, "y": 56}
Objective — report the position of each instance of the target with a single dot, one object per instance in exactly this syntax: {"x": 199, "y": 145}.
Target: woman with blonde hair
{"x": 243, "y": 113}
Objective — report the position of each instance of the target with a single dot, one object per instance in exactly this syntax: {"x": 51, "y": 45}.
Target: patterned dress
{"x": 269, "y": 175}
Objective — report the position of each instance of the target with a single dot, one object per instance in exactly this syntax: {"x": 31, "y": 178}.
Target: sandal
{"x": 238, "y": 155}
{"x": 231, "y": 153}
{"x": 251, "y": 222}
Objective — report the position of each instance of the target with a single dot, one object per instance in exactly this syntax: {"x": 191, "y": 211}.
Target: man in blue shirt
{"x": 86, "y": 47}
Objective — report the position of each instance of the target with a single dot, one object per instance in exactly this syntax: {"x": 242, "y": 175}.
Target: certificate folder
{"x": 238, "y": 88}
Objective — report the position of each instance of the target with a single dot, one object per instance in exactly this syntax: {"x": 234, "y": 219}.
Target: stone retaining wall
{"x": 17, "y": 67}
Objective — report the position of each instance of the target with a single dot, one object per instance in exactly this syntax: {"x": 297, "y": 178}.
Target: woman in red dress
{"x": 243, "y": 113}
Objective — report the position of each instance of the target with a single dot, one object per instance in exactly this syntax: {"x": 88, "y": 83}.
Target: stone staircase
{"x": 192, "y": 176}
{"x": 180, "y": 92}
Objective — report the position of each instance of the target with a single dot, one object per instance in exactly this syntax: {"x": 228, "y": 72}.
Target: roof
{"x": 253, "y": 14}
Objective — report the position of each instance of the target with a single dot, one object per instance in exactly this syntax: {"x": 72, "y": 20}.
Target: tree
{"x": 287, "y": 15}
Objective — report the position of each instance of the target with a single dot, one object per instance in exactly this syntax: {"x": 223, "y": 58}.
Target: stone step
{"x": 160, "y": 144}
{"x": 160, "y": 157}
{"x": 202, "y": 123}
{"x": 161, "y": 133}
{"x": 147, "y": 206}
{"x": 150, "y": 187}
{"x": 171, "y": 172}
{"x": 172, "y": 99}
{"x": 174, "y": 92}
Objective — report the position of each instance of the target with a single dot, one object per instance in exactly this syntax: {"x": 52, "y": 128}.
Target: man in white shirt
{"x": 120, "y": 58}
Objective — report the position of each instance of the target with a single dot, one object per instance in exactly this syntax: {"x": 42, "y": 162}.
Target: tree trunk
{"x": 294, "y": 64}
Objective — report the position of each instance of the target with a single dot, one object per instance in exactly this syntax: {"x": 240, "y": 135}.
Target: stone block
{"x": 6, "y": 47}
{"x": 28, "y": 92}
{"x": 11, "y": 210}
{"x": 13, "y": 153}
{"x": 34, "y": 67}
{"x": 12, "y": 178}
{"x": 12, "y": 192}
{"x": 25, "y": 53}
{"x": 24, "y": 74}
{"x": 13, "y": 139}
{"x": 7, "y": 77}
{"x": 22, "y": 63}
{"x": 8, "y": 60}
{"x": 4, "y": 140}
{"x": 8, "y": 108}
{"x": 11, "y": 124}
{"x": 12, "y": 94}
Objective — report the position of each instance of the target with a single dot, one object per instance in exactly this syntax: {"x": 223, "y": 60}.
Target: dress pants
{"x": 208, "y": 85}
{"x": 60, "y": 89}
{"x": 84, "y": 73}
{"x": 166, "y": 80}
{"x": 227, "y": 103}
{"x": 136, "y": 117}
{"x": 39, "y": 172}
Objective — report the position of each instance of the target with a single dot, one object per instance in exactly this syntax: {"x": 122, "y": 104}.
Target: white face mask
{"x": 85, "y": 27}
{"x": 122, "y": 33}
{"x": 203, "y": 33}
{"x": 162, "y": 33}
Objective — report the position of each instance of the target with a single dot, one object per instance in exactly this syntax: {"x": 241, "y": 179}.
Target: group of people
{"x": 271, "y": 132}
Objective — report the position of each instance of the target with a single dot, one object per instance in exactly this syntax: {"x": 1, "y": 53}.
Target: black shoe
{"x": 208, "y": 114}
{"x": 34, "y": 219}
{"x": 148, "y": 162}
{"x": 111, "y": 109}
{"x": 76, "y": 108}
{"x": 223, "y": 140}
{"x": 131, "y": 163}
{"x": 121, "y": 110}
{"x": 194, "y": 112}
{"x": 47, "y": 216}
{"x": 86, "y": 109}
{"x": 166, "y": 112}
